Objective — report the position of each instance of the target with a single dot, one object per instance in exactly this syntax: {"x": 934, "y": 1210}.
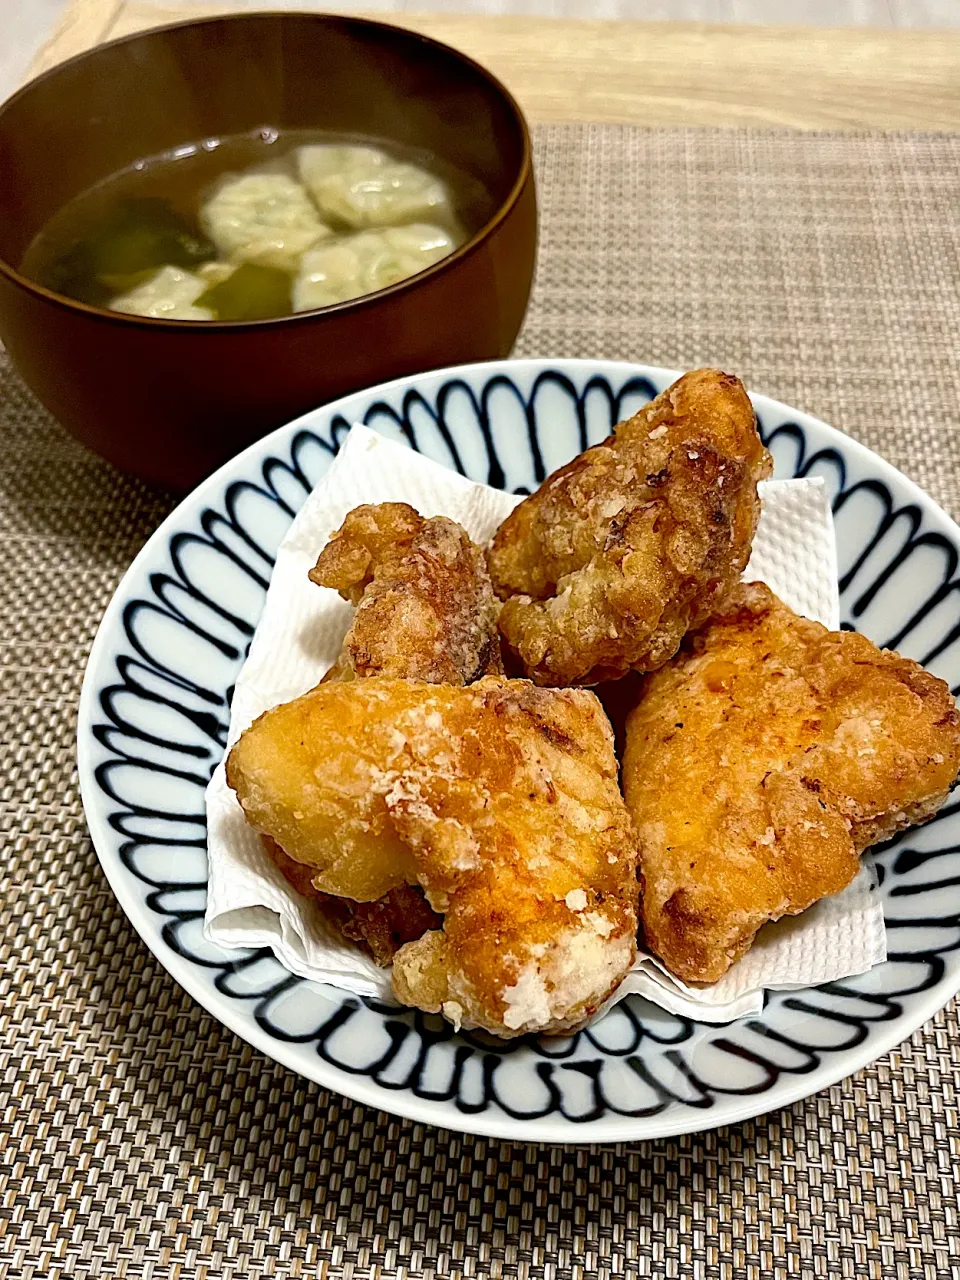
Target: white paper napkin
{"x": 249, "y": 903}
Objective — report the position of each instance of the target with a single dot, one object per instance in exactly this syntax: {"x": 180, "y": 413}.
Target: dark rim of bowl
{"x": 337, "y": 308}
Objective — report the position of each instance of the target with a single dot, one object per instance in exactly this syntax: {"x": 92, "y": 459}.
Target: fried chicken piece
{"x": 631, "y": 544}
{"x": 759, "y": 764}
{"x": 425, "y": 606}
{"x": 425, "y": 610}
{"x": 380, "y": 927}
{"x": 500, "y": 800}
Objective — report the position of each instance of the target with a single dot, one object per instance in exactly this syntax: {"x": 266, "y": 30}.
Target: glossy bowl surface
{"x": 171, "y": 400}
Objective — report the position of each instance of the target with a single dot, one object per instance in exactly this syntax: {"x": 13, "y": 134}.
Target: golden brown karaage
{"x": 425, "y": 610}
{"x": 761, "y": 761}
{"x": 500, "y": 800}
{"x": 425, "y": 606}
{"x": 631, "y": 544}
{"x": 382, "y": 927}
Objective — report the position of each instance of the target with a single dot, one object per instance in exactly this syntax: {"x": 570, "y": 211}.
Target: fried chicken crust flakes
{"x": 761, "y": 761}
{"x": 425, "y": 606}
{"x": 631, "y": 544}
{"x": 500, "y": 800}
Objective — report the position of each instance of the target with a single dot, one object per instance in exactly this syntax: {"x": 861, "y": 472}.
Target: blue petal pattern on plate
{"x": 154, "y": 718}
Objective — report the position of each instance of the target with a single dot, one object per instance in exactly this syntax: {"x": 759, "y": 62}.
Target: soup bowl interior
{"x": 153, "y": 94}
{"x": 171, "y": 400}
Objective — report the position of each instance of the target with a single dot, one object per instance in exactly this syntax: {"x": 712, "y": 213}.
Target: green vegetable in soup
{"x": 147, "y": 232}
{"x": 138, "y": 237}
{"x": 252, "y": 292}
{"x": 73, "y": 275}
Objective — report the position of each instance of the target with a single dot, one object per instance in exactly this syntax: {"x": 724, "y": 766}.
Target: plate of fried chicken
{"x": 580, "y": 736}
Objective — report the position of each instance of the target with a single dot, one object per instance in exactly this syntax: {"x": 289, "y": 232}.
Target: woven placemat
{"x": 139, "y": 1138}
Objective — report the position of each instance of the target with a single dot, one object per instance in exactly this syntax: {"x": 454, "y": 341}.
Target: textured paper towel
{"x": 249, "y": 902}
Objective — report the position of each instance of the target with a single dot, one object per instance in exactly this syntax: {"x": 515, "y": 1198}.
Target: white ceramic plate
{"x": 153, "y": 719}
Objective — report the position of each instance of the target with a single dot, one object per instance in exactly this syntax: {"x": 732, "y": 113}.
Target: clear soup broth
{"x": 256, "y": 225}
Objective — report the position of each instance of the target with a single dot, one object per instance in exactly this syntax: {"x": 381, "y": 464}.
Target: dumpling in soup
{"x": 263, "y": 217}
{"x": 168, "y": 294}
{"x": 366, "y": 187}
{"x": 368, "y": 261}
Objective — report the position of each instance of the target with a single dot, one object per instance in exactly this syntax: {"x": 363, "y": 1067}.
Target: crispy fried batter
{"x": 761, "y": 761}
{"x": 425, "y": 606}
{"x": 499, "y": 799}
{"x": 621, "y": 551}
{"x": 380, "y": 927}
{"x": 425, "y": 611}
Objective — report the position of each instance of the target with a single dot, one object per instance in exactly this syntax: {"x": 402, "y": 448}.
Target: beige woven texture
{"x": 139, "y": 1138}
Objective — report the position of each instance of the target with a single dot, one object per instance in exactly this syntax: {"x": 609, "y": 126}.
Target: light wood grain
{"x": 83, "y": 23}
{"x": 659, "y": 74}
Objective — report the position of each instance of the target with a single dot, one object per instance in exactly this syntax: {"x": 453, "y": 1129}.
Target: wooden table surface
{"x": 652, "y": 73}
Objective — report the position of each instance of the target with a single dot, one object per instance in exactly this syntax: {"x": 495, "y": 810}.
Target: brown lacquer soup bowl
{"x": 171, "y": 399}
